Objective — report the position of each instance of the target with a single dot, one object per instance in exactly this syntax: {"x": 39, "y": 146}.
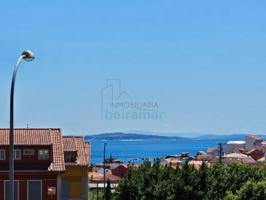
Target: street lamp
{"x": 27, "y": 56}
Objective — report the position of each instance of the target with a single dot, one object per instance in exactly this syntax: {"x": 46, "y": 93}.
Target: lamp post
{"x": 27, "y": 56}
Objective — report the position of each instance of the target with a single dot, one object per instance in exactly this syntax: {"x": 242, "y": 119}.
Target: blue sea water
{"x": 127, "y": 150}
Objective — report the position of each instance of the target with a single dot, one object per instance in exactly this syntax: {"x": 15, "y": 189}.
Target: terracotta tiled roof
{"x": 79, "y": 145}
{"x": 95, "y": 177}
{"x": 212, "y": 150}
{"x": 27, "y": 136}
{"x": 45, "y": 136}
{"x": 238, "y": 157}
{"x": 120, "y": 171}
{"x": 255, "y": 154}
{"x": 58, "y": 163}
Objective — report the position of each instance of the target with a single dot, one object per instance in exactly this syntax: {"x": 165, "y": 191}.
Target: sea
{"x": 128, "y": 150}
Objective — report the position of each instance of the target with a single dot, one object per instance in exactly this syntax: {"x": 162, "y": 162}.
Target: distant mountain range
{"x": 138, "y": 136}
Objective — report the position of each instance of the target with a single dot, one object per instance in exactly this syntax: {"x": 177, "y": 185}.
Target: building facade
{"x": 77, "y": 159}
{"x": 253, "y": 141}
{"x": 235, "y": 146}
{"x": 42, "y": 163}
{"x": 38, "y": 163}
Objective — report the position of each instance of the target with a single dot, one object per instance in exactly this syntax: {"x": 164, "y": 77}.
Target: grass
{"x": 93, "y": 194}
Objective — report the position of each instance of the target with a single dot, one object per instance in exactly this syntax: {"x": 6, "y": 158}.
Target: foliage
{"x": 251, "y": 190}
{"x": 157, "y": 182}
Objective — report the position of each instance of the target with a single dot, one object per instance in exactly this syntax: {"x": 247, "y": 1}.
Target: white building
{"x": 234, "y": 146}
{"x": 252, "y": 142}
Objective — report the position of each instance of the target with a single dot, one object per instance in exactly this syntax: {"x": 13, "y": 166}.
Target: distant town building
{"x": 238, "y": 158}
{"x": 120, "y": 170}
{"x": 264, "y": 147}
{"x": 235, "y": 146}
{"x": 173, "y": 162}
{"x": 203, "y": 156}
{"x": 96, "y": 176}
{"x": 213, "y": 152}
{"x": 253, "y": 141}
{"x": 255, "y": 154}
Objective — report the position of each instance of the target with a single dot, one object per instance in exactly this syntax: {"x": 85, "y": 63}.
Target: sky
{"x": 200, "y": 64}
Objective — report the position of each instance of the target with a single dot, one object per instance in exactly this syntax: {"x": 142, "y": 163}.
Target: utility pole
{"x": 104, "y": 167}
{"x": 221, "y": 152}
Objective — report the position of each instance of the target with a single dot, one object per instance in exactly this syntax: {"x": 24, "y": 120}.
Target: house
{"x": 172, "y": 162}
{"x": 255, "y": 154}
{"x": 47, "y": 165}
{"x": 120, "y": 170}
{"x": 102, "y": 170}
{"x": 196, "y": 163}
{"x": 253, "y": 141}
{"x": 75, "y": 177}
{"x": 238, "y": 158}
{"x": 38, "y": 163}
{"x": 202, "y": 156}
{"x": 96, "y": 180}
{"x": 212, "y": 152}
{"x": 96, "y": 176}
{"x": 235, "y": 146}
{"x": 264, "y": 147}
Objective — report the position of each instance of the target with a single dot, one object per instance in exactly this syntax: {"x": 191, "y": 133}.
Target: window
{"x": 16, "y": 190}
{"x": 43, "y": 154}
{"x": 28, "y": 152}
{"x": 17, "y": 154}
{"x": 34, "y": 190}
{"x": 2, "y": 154}
{"x": 70, "y": 157}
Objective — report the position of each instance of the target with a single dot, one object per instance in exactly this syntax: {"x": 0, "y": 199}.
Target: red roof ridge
{"x": 30, "y": 129}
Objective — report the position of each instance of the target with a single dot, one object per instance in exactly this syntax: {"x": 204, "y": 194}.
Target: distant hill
{"x": 221, "y": 137}
{"x": 226, "y": 137}
{"x": 128, "y": 136}
{"x": 140, "y": 136}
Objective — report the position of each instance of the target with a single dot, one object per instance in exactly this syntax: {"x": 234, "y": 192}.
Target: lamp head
{"x": 28, "y": 55}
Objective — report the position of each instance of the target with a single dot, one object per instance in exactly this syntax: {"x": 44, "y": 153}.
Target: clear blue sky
{"x": 203, "y": 62}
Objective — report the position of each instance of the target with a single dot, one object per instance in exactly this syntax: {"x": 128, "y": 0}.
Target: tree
{"x": 251, "y": 190}
{"x": 157, "y": 182}
{"x": 223, "y": 179}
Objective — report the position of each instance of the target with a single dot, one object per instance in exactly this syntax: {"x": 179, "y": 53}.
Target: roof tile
{"x": 79, "y": 145}
{"x": 45, "y": 136}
